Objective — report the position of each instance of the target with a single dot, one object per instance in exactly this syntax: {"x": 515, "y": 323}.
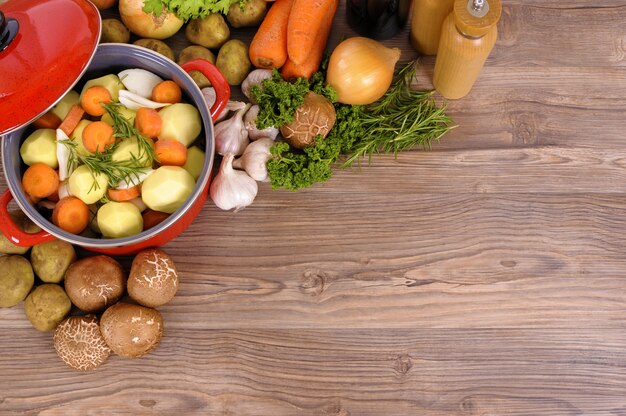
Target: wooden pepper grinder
{"x": 426, "y": 21}
{"x": 468, "y": 35}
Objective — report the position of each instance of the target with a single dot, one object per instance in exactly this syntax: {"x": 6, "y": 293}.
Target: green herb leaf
{"x": 190, "y": 9}
{"x": 278, "y": 100}
{"x": 153, "y": 6}
{"x": 402, "y": 119}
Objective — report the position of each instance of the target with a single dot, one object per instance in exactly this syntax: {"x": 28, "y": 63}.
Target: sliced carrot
{"x": 170, "y": 152}
{"x": 98, "y": 136}
{"x": 148, "y": 121}
{"x": 71, "y": 120}
{"x": 121, "y": 195}
{"x": 268, "y": 48}
{"x": 71, "y": 214}
{"x": 93, "y": 98}
{"x": 48, "y": 121}
{"x": 55, "y": 196}
{"x": 167, "y": 92}
{"x": 305, "y": 21}
{"x": 40, "y": 180}
{"x": 152, "y": 218}
{"x": 310, "y": 66}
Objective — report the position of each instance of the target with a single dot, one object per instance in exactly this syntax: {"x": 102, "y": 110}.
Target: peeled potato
{"x": 167, "y": 188}
{"x": 119, "y": 219}
{"x": 87, "y": 186}
{"x": 111, "y": 82}
{"x": 40, "y": 147}
{"x": 181, "y": 122}
{"x": 77, "y": 137}
{"x": 129, "y": 149}
{"x": 125, "y": 112}
{"x": 63, "y": 107}
{"x": 195, "y": 161}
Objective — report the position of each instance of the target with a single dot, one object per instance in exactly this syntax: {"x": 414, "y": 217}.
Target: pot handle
{"x": 221, "y": 87}
{"x": 13, "y": 232}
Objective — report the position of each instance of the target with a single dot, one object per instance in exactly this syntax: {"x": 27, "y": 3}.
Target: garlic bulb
{"x": 210, "y": 97}
{"x": 232, "y": 188}
{"x": 231, "y": 135}
{"x": 254, "y": 159}
{"x": 254, "y": 78}
{"x": 249, "y": 120}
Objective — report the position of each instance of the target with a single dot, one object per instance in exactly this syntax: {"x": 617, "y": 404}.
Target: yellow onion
{"x": 361, "y": 70}
{"x": 148, "y": 25}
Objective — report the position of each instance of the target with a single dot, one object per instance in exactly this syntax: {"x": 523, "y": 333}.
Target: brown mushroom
{"x": 79, "y": 343}
{"x": 93, "y": 283}
{"x": 316, "y": 116}
{"x": 153, "y": 279}
{"x": 131, "y": 330}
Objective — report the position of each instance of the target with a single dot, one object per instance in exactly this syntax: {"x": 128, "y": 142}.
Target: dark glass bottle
{"x": 377, "y": 19}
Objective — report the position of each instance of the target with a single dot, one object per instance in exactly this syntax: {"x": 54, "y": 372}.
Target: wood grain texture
{"x": 485, "y": 277}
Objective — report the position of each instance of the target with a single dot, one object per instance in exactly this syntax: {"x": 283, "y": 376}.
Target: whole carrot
{"x": 305, "y": 22}
{"x": 268, "y": 48}
{"x": 311, "y": 64}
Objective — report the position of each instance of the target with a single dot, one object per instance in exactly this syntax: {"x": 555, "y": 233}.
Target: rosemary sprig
{"x": 404, "y": 118}
{"x": 103, "y": 163}
{"x": 124, "y": 129}
{"x": 115, "y": 171}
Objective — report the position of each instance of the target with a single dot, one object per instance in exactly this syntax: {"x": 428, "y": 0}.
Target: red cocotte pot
{"x": 72, "y": 67}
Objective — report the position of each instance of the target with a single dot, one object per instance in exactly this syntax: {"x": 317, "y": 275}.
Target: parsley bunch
{"x": 292, "y": 169}
{"x": 402, "y": 119}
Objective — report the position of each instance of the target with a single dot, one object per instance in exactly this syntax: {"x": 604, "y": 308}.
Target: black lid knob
{"x": 8, "y": 30}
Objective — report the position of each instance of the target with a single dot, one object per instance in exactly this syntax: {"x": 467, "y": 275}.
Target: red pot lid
{"x": 45, "y": 46}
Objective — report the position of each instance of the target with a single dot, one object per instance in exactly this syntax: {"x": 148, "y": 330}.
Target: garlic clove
{"x": 255, "y": 77}
{"x": 254, "y": 159}
{"x": 232, "y": 189}
{"x": 231, "y": 135}
{"x": 254, "y": 133}
{"x": 139, "y": 81}
{"x": 134, "y": 101}
{"x": 209, "y": 97}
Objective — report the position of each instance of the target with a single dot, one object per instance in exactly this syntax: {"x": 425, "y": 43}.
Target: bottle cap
{"x": 476, "y": 17}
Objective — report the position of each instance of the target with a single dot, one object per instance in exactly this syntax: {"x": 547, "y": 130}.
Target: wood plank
{"x": 340, "y": 372}
{"x": 545, "y": 170}
{"x": 427, "y": 261}
{"x": 526, "y": 107}
{"x": 483, "y": 278}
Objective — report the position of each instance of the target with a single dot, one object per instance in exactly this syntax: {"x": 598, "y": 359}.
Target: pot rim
{"x": 25, "y": 205}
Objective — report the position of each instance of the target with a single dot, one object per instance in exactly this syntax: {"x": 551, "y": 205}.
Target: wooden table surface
{"x": 486, "y": 277}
